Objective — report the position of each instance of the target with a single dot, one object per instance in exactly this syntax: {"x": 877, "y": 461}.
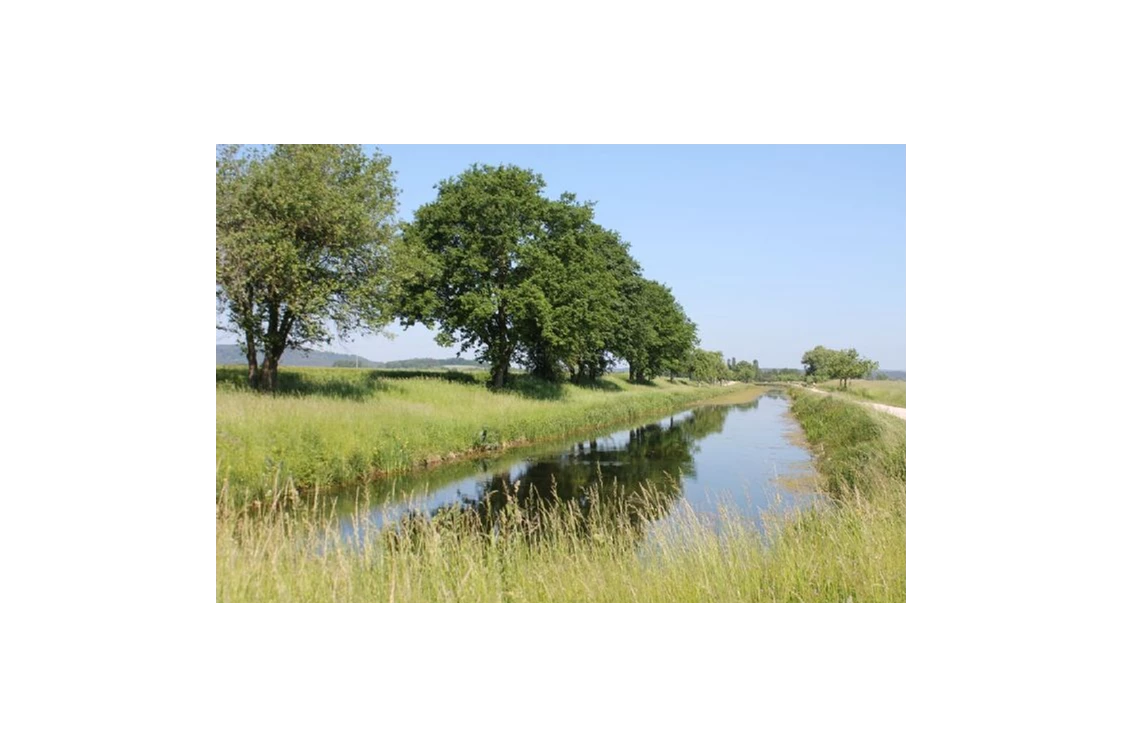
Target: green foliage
{"x": 303, "y": 238}
{"x": 476, "y": 248}
{"x": 780, "y": 375}
{"x": 580, "y": 275}
{"x": 743, "y": 371}
{"x": 655, "y": 335}
{"x": 707, "y": 366}
{"x": 823, "y": 363}
{"x": 496, "y": 266}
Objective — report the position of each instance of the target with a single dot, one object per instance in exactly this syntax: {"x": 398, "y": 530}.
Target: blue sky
{"x": 771, "y": 250}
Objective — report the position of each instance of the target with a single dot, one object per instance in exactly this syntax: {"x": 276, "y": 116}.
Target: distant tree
{"x": 707, "y": 366}
{"x": 824, "y": 363}
{"x": 849, "y": 365}
{"x": 743, "y": 371}
{"x": 476, "y": 246}
{"x": 303, "y": 238}
{"x": 819, "y": 362}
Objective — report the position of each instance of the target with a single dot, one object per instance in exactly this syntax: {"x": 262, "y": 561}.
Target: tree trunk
{"x": 267, "y": 379}
{"x": 499, "y": 371}
{"x": 502, "y": 361}
{"x": 251, "y": 354}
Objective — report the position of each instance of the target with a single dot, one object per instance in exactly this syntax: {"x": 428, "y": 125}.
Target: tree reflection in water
{"x": 594, "y": 487}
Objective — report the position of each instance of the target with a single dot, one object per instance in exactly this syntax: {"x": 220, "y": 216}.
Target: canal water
{"x": 743, "y": 458}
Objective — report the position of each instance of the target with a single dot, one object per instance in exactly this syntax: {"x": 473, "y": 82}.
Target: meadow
{"x": 848, "y": 548}
{"x": 332, "y": 426}
{"x": 887, "y": 391}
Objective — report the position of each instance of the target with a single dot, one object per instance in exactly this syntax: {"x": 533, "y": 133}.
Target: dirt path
{"x": 892, "y": 410}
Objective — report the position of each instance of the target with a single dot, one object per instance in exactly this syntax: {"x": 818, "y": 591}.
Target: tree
{"x": 475, "y": 246}
{"x": 654, "y": 335}
{"x": 707, "y": 366}
{"x": 579, "y": 271}
{"x": 743, "y": 371}
{"x": 303, "y": 239}
{"x": 824, "y": 363}
{"x": 818, "y": 362}
{"x": 496, "y": 266}
{"x": 849, "y": 365}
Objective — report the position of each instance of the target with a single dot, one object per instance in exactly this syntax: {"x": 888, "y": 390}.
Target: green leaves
{"x": 824, "y": 363}
{"x": 499, "y": 267}
{"x": 655, "y": 335}
{"x": 303, "y": 239}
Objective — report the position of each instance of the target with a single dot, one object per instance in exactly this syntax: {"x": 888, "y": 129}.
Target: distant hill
{"x": 889, "y": 373}
{"x": 232, "y": 354}
{"x": 429, "y": 363}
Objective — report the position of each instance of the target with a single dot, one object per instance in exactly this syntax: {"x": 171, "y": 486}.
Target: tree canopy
{"x": 307, "y": 249}
{"x": 655, "y": 335}
{"x": 496, "y": 266}
{"x": 707, "y": 366}
{"x": 476, "y": 246}
{"x": 822, "y": 363}
{"x": 303, "y": 240}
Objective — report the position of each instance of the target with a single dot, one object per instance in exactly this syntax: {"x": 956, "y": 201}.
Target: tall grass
{"x": 599, "y": 547}
{"x": 887, "y": 391}
{"x": 837, "y": 556}
{"x": 330, "y": 426}
{"x": 859, "y": 450}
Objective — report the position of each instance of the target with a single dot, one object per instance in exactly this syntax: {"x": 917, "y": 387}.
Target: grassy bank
{"x": 852, "y": 549}
{"x": 889, "y": 392}
{"x": 331, "y": 426}
{"x": 845, "y": 554}
{"x": 858, "y": 451}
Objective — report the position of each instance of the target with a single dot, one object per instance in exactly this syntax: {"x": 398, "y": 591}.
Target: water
{"x": 741, "y": 457}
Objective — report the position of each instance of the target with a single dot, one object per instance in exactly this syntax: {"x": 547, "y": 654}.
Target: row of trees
{"x": 500, "y": 268}
{"x": 824, "y": 363}
{"x": 308, "y": 248}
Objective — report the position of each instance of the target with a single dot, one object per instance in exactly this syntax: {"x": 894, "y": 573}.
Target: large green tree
{"x": 475, "y": 249}
{"x": 654, "y": 334}
{"x": 303, "y": 238}
{"x": 580, "y": 272}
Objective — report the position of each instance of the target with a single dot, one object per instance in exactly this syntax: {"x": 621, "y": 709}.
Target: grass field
{"x": 850, "y": 549}
{"x": 888, "y": 391}
{"x": 331, "y": 426}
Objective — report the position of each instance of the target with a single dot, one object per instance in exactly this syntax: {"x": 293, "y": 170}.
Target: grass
{"x": 334, "y": 426}
{"x": 858, "y": 451}
{"x": 600, "y": 548}
{"x": 887, "y": 391}
{"x": 850, "y": 553}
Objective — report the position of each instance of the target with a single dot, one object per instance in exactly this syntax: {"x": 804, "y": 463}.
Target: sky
{"x": 771, "y": 250}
